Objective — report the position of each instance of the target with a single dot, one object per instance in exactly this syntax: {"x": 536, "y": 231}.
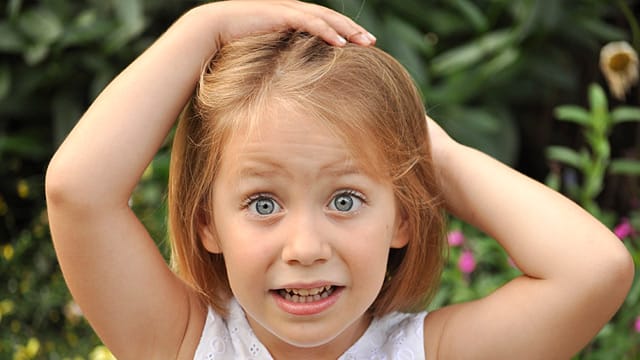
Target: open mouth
{"x": 306, "y": 295}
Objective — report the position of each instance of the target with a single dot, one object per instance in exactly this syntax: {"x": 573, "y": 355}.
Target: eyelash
{"x": 349, "y": 192}
{"x": 253, "y": 197}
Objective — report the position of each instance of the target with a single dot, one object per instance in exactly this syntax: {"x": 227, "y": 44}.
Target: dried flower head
{"x": 619, "y": 64}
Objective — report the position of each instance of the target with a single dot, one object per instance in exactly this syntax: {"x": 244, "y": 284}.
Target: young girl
{"x": 305, "y": 207}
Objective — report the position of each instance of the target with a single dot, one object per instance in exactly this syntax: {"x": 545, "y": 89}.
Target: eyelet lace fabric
{"x": 396, "y": 336}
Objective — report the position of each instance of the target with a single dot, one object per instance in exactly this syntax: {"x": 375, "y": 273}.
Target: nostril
{"x": 306, "y": 252}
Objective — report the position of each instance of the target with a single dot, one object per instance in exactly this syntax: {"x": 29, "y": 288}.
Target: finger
{"x": 333, "y": 27}
{"x": 344, "y": 25}
{"x": 319, "y": 27}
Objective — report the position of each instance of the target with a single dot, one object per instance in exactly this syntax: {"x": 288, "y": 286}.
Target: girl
{"x": 305, "y": 198}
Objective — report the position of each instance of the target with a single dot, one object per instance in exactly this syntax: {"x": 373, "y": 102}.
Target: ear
{"x": 401, "y": 235}
{"x": 207, "y": 234}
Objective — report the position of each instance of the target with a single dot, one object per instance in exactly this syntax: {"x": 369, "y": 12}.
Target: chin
{"x": 311, "y": 340}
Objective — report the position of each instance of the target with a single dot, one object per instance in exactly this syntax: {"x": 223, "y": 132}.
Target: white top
{"x": 393, "y": 336}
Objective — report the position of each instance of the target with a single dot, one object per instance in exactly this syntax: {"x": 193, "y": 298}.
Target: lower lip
{"x": 307, "y": 308}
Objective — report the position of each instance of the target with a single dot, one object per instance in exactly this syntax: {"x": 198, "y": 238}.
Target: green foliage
{"x": 56, "y": 56}
{"x": 616, "y": 340}
{"x": 493, "y": 268}
{"x": 594, "y": 162}
{"x": 491, "y": 71}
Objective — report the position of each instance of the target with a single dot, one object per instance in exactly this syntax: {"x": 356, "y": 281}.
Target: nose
{"x": 306, "y": 241}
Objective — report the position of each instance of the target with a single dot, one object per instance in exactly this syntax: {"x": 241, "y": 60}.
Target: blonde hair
{"x": 361, "y": 94}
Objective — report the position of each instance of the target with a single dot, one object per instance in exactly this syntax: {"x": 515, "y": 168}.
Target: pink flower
{"x": 637, "y": 325}
{"x": 467, "y": 263}
{"x": 455, "y": 238}
{"x": 623, "y": 229}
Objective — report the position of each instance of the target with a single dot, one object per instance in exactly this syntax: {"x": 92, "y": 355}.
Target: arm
{"x": 138, "y": 307}
{"x": 576, "y": 272}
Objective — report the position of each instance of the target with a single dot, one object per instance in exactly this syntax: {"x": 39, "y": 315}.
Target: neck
{"x": 333, "y": 349}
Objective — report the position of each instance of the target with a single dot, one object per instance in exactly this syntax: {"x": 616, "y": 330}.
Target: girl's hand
{"x": 576, "y": 273}
{"x": 441, "y": 142}
{"x": 437, "y": 136}
{"x": 245, "y": 17}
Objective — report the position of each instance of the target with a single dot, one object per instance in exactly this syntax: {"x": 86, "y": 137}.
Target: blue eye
{"x": 263, "y": 205}
{"x": 346, "y": 201}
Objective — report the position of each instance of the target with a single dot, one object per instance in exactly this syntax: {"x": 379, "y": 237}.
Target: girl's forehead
{"x": 274, "y": 136}
{"x": 278, "y": 137}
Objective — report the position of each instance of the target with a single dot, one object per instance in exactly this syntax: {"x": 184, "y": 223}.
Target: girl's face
{"x": 305, "y": 233}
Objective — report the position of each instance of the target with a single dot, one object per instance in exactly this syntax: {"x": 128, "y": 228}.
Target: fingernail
{"x": 371, "y": 37}
{"x": 361, "y": 38}
{"x": 342, "y": 40}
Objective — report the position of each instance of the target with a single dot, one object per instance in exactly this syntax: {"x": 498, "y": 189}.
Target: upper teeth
{"x": 308, "y": 292}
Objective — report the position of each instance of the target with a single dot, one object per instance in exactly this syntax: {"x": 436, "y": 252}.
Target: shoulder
{"x": 193, "y": 332}
{"x": 438, "y": 325}
{"x": 403, "y": 324}
{"x": 395, "y": 336}
{"x": 228, "y": 337}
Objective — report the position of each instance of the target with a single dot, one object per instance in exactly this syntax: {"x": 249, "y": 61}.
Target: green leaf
{"x": 132, "y": 23}
{"x": 567, "y": 156}
{"x": 130, "y": 13}
{"x": 65, "y": 111}
{"x": 10, "y": 40}
{"x": 553, "y": 181}
{"x": 490, "y": 130}
{"x": 599, "y": 144}
{"x": 404, "y": 32}
{"x": 464, "y": 56}
{"x": 573, "y": 113}
{"x": 13, "y": 8}
{"x": 444, "y": 22}
{"x": 625, "y": 167}
{"x": 625, "y": 113}
{"x": 592, "y": 185}
{"x": 473, "y": 14}
{"x": 5, "y": 80}
{"x": 634, "y": 294}
{"x": 36, "y": 53}
{"x": 598, "y": 100}
{"x": 500, "y": 63}
{"x": 24, "y": 145}
{"x": 88, "y": 26}
{"x": 600, "y": 29}
{"x": 405, "y": 47}
{"x": 40, "y": 25}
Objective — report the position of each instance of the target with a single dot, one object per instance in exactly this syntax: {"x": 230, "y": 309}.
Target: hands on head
{"x": 246, "y": 17}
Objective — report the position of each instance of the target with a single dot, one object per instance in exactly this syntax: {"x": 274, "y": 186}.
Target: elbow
{"x": 617, "y": 273}
{"x": 625, "y": 270}
{"x": 57, "y": 185}
{"x": 54, "y": 185}
{"x": 62, "y": 189}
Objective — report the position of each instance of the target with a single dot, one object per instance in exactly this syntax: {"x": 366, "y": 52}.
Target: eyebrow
{"x": 268, "y": 169}
{"x": 344, "y": 169}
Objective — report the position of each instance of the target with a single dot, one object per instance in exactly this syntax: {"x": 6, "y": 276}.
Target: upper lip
{"x": 307, "y": 285}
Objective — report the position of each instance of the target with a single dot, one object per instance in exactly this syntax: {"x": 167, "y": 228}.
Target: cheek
{"x": 240, "y": 244}
{"x": 246, "y": 260}
{"x": 369, "y": 243}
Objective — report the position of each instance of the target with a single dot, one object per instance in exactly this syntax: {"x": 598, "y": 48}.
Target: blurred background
{"x": 546, "y": 86}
